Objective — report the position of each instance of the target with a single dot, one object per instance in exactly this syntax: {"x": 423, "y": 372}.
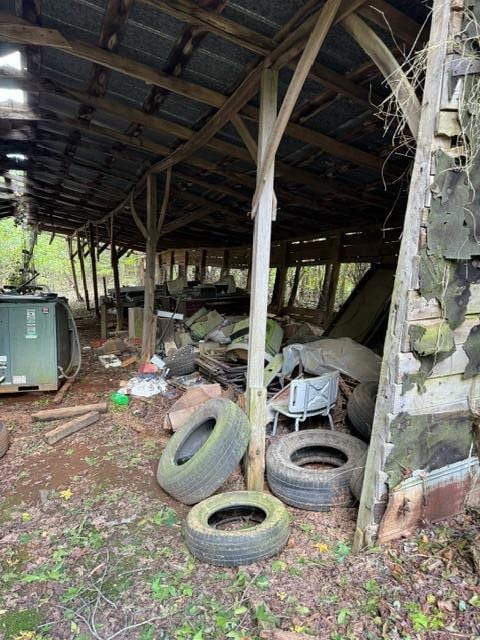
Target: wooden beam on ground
{"x": 256, "y": 392}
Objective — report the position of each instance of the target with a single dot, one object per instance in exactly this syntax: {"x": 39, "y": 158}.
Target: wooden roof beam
{"x": 287, "y": 172}
{"x": 226, "y": 106}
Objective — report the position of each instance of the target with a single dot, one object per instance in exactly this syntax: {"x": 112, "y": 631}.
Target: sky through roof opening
{"x": 13, "y": 61}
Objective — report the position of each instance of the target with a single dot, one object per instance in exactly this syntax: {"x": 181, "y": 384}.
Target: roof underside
{"x": 82, "y": 158}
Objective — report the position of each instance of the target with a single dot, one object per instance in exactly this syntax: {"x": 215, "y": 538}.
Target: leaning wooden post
{"x": 82, "y": 271}
{"x": 256, "y": 392}
{"x": 74, "y": 272}
{"x": 93, "y": 259}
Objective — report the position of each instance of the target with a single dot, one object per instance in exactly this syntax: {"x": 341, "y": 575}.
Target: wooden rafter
{"x": 226, "y": 106}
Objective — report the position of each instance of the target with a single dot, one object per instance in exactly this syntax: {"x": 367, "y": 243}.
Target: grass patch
{"x": 14, "y": 622}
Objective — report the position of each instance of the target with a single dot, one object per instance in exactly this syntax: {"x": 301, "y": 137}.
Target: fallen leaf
{"x": 66, "y": 494}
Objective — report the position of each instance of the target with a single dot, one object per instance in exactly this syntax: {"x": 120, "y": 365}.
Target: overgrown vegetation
{"x": 52, "y": 262}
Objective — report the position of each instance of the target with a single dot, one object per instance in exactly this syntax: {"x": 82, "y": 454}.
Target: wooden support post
{"x": 116, "y": 284}
{"x": 103, "y": 320}
{"x": 151, "y": 233}
{"x": 149, "y": 320}
{"x": 226, "y": 262}
{"x": 94, "y": 271}
{"x": 74, "y": 272}
{"x": 172, "y": 264}
{"x": 323, "y": 293}
{"x": 203, "y": 265}
{"x": 82, "y": 271}
{"x": 316, "y": 39}
{"x": 278, "y": 298}
{"x": 256, "y": 392}
{"x": 333, "y": 282}
{"x": 293, "y": 292}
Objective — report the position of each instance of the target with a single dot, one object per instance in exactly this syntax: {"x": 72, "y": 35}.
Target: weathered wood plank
{"x": 387, "y": 400}
{"x": 67, "y": 429}
{"x": 420, "y": 309}
{"x": 460, "y": 334}
{"x": 449, "y": 390}
{"x": 69, "y": 412}
{"x": 408, "y": 364}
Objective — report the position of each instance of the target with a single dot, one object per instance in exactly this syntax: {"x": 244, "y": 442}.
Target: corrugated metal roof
{"x": 217, "y": 64}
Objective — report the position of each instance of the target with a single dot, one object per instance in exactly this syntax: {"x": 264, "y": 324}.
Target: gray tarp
{"x": 343, "y": 354}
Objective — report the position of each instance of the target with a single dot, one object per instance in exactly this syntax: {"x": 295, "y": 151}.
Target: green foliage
{"x": 341, "y": 552}
{"x": 166, "y": 517}
{"x": 265, "y": 616}
{"x": 262, "y": 582}
{"x": 52, "y": 261}
{"x": 422, "y": 621}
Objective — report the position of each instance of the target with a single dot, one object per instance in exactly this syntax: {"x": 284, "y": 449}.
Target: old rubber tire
{"x": 361, "y": 408}
{"x": 182, "y": 363}
{"x": 242, "y": 545}
{"x": 4, "y": 439}
{"x": 356, "y": 479}
{"x": 203, "y": 453}
{"x": 313, "y": 489}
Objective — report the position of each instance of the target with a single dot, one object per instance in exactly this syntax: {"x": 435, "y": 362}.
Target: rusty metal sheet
{"x": 435, "y": 496}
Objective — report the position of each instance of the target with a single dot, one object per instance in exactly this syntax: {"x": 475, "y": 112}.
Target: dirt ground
{"x": 90, "y": 547}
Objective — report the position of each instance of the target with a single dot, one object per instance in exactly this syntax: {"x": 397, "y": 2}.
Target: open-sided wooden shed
{"x": 247, "y": 134}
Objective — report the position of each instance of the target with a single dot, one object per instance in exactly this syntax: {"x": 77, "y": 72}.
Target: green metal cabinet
{"x": 35, "y": 342}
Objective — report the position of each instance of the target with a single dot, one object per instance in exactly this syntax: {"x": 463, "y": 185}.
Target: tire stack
{"x": 317, "y": 489}
{"x": 200, "y": 457}
{"x": 195, "y": 463}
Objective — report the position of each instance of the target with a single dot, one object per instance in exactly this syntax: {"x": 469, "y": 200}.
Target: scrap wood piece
{"x": 185, "y": 406}
{"x": 344, "y": 387}
{"x": 60, "y": 395}
{"x": 66, "y": 429}
{"x": 128, "y": 361}
{"x": 69, "y": 412}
